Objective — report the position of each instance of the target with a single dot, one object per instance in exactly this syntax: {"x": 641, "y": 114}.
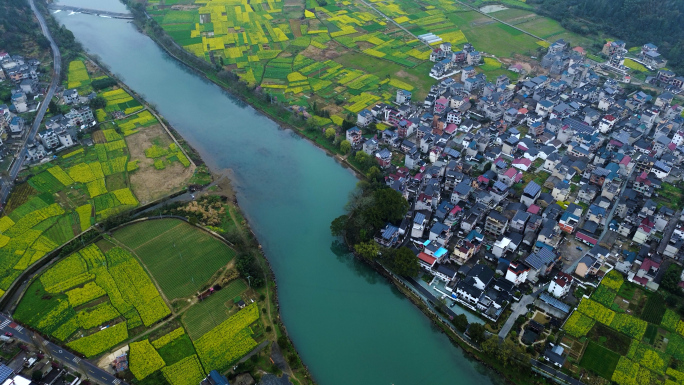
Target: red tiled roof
{"x": 586, "y": 237}
{"x": 641, "y": 280}
{"x": 648, "y": 264}
{"x": 534, "y": 209}
{"x": 562, "y": 279}
{"x": 523, "y": 161}
{"x": 511, "y": 172}
{"x": 430, "y": 260}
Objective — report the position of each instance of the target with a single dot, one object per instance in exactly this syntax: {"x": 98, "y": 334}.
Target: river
{"x": 349, "y": 324}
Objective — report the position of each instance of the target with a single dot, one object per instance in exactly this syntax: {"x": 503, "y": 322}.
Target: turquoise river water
{"x": 349, "y": 325}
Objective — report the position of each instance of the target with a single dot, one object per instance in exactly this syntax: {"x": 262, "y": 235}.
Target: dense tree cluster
{"x": 370, "y": 207}
{"x": 100, "y": 84}
{"x": 17, "y": 26}
{"x": 634, "y": 21}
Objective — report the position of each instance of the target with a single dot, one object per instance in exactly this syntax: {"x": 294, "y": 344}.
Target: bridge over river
{"x": 115, "y": 15}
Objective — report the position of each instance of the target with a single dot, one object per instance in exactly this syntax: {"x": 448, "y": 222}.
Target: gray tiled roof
{"x": 532, "y": 189}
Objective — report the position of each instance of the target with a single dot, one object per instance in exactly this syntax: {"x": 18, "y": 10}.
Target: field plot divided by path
{"x": 181, "y": 257}
{"x": 206, "y": 315}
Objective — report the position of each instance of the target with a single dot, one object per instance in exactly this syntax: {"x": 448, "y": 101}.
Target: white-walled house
{"x": 561, "y": 284}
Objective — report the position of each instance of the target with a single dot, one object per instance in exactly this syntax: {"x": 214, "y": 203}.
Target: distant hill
{"x": 19, "y": 31}
{"x": 634, "y": 21}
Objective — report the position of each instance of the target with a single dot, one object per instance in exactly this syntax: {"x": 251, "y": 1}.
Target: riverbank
{"x": 513, "y": 376}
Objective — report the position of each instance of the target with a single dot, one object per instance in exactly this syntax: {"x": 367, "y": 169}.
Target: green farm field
{"x": 635, "y": 336}
{"x": 181, "y": 257}
{"x": 205, "y": 315}
{"x": 599, "y": 360}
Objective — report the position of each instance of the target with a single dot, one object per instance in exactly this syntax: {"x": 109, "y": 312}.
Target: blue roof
{"x": 440, "y": 252}
{"x": 597, "y": 210}
{"x": 218, "y": 378}
{"x": 389, "y": 232}
{"x": 541, "y": 258}
{"x": 438, "y": 228}
{"x": 5, "y": 372}
{"x": 385, "y": 154}
{"x": 463, "y": 188}
{"x": 451, "y": 152}
{"x": 555, "y": 302}
{"x": 419, "y": 218}
{"x": 532, "y": 189}
{"x": 541, "y": 244}
{"x": 473, "y": 234}
{"x": 630, "y": 256}
{"x": 500, "y": 185}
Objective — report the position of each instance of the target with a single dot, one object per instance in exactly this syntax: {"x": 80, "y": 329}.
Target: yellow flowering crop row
{"x": 99, "y": 342}
{"x": 96, "y": 168}
{"x": 84, "y": 294}
{"x": 111, "y": 135}
{"x": 70, "y": 266}
{"x": 228, "y": 341}
{"x": 97, "y": 315}
{"x": 96, "y": 187}
{"x": 136, "y": 287}
{"x": 168, "y": 337}
{"x": 72, "y": 153}
{"x": 62, "y": 176}
{"x": 66, "y": 329}
{"x": 143, "y": 359}
{"x": 55, "y": 316}
{"x": 125, "y": 196}
{"x": 81, "y": 173}
{"x": 93, "y": 256}
{"x": 111, "y": 146}
{"x": 595, "y": 310}
{"x": 399, "y": 84}
{"x": 84, "y": 213}
{"x": 5, "y": 223}
{"x": 187, "y": 371}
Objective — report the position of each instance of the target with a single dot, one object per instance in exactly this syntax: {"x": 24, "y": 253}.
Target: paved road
{"x": 58, "y": 353}
{"x": 668, "y": 230}
{"x": 518, "y": 309}
{"x": 57, "y": 72}
{"x": 556, "y": 374}
{"x": 427, "y": 294}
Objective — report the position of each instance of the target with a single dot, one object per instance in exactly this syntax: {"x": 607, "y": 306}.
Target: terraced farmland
{"x": 331, "y": 54}
{"x": 64, "y": 197}
{"x": 630, "y": 337}
{"x": 88, "y": 289}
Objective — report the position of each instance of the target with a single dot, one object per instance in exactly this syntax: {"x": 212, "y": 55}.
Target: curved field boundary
{"x": 180, "y": 256}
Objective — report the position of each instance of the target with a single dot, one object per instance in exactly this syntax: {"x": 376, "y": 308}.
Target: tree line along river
{"x": 348, "y": 323}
